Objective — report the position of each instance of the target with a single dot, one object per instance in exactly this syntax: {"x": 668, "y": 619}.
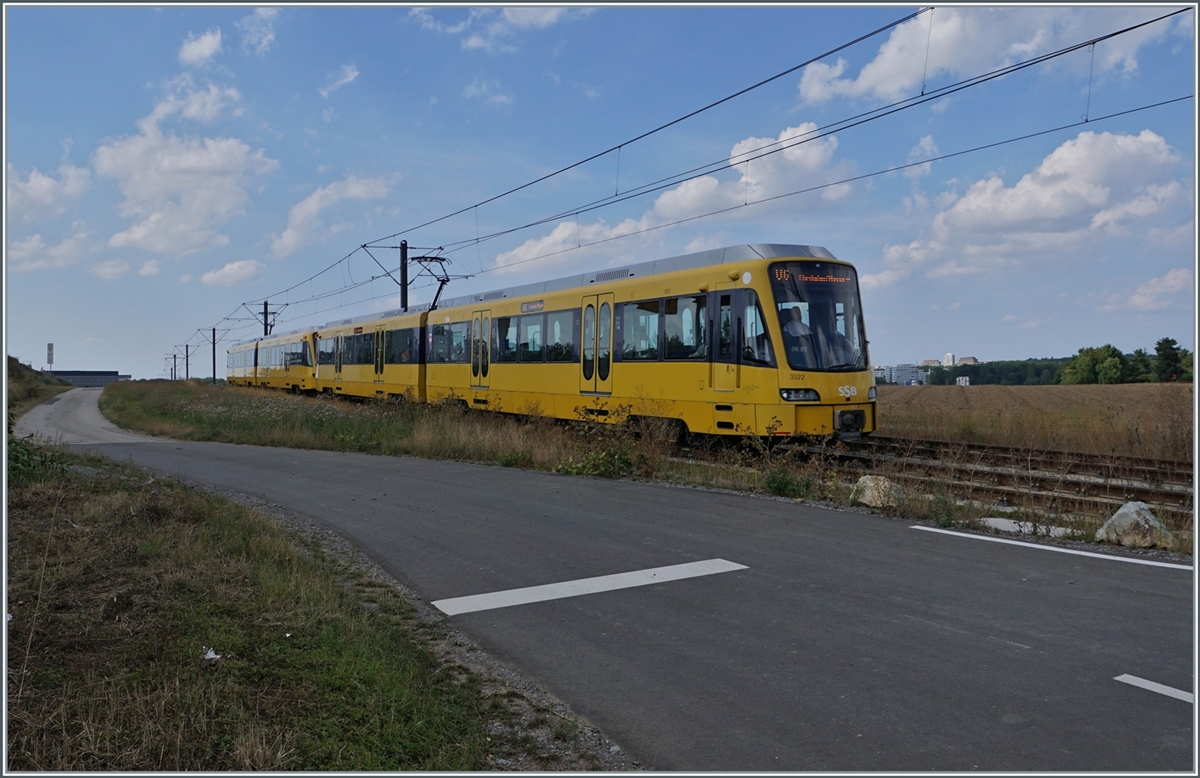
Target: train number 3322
{"x": 848, "y": 391}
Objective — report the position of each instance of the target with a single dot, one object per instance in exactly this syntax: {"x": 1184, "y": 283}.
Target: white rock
{"x": 876, "y": 492}
{"x": 1135, "y": 525}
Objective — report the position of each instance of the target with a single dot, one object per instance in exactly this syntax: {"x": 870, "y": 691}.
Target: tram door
{"x": 481, "y": 339}
{"x": 380, "y": 341}
{"x": 725, "y": 358}
{"x": 596, "y": 362}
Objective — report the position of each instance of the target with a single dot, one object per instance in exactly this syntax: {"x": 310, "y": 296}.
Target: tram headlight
{"x": 871, "y": 393}
{"x": 800, "y": 395}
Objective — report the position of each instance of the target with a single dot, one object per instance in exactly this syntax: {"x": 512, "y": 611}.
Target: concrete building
{"x": 89, "y": 377}
{"x": 948, "y": 360}
{"x": 968, "y": 361}
{"x": 930, "y": 363}
{"x": 963, "y": 380}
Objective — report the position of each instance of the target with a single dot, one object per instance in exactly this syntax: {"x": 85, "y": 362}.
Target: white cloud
{"x": 490, "y": 30}
{"x": 40, "y": 195}
{"x": 795, "y": 164}
{"x": 180, "y": 189}
{"x": 109, "y": 269}
{"x": 1155, "y": 294}
{"x": 487, "y": 91}
{"x": 199, "y": 50}
{"x": 32, "y": 253}
{"x": 925, "y": 149}
{"x": 304, "y": 220}
{"x": 337, "y": 80}
{"x": 185, "y": 278}
{"x": 1093, "y": 184}
{"x": 968, "y": 41}
{"x": 532, "y": 17}
{"x": 232, "y": 274}
{"x": 207, "y": 104}
{"x": 258, "y": 30}
{"x": 150, "y": 268}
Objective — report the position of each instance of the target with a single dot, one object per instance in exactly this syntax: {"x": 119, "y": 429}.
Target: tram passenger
{"x": 797, "y": 339}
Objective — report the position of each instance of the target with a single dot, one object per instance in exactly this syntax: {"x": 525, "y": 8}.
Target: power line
{"x": 852, "y": 179}
{"x": 708, "y": 169}
{"x": 660, "y": 128}
{"x": 838, "y": 126}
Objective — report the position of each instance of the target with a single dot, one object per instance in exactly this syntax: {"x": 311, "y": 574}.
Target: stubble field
{"x": 1151, "y": 420}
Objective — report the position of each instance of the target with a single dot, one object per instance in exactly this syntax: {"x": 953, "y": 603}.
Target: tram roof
{"x": 727, "y": 255}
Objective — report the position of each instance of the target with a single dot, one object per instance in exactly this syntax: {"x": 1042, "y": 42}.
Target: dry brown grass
{"x": 1153, "y": 420}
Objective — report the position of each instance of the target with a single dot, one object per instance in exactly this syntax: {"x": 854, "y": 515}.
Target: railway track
{"x": 1056, "y": 481}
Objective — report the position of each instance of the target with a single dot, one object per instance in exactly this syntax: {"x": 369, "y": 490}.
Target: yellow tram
{"x": 762, "y": 339}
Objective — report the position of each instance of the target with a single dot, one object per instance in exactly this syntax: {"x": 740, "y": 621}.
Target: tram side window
{"x": 296, "y": 354}
{"x": 448, "y": 343}
{"x": 506, "y": 339}
{"x": 685, "y": 320}
{"x": 530, "y": 349}
{"x": 757, "y": 340}
{"x": 561, "y": 343}
{"x": 640, "y": 329}
{"x": 401, "y": 346}
{"x": 325, "y": 348}
{"x": 357, "y": 349}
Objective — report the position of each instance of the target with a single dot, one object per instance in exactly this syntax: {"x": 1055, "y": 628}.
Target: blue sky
{"x": 165, "y": 165}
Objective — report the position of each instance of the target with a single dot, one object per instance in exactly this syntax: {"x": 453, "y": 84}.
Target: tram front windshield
{"x": 820, "y": 315}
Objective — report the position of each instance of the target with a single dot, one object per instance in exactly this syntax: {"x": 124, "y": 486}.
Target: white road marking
{"x": 1133, "y": 680}
{"x": 1109, "y": 557}
{"x": 603, "y": 583}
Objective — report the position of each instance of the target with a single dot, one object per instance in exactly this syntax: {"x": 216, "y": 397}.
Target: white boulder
{"x": 876, "y": 491}
{"x": 1136, "y": 526}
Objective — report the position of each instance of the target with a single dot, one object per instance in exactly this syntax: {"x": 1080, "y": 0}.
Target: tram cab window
{"x": 819, "y": 315}
{"x": 684, "y": 320}
{"x": 560, "y": 336}
{"x": 640, "y": 330}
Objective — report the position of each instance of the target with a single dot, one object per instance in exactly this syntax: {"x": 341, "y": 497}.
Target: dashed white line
{"x": 1169, "y": 691}
{"x": 1109, "y": 557}
{"x": 603, "y": 583}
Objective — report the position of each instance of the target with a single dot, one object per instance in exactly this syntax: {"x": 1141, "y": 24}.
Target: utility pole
{"x": 174, "y": 367}
{"x": 214, "y": 342}
{"x": 404, "y": 276}
{"x": 266, "y": 328}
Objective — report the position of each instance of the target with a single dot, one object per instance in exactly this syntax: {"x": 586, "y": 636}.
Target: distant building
{"x": 963, "y": 380}
{"x": 968, "y": 361}
{"x": 930, "y": 363}
{"x": 89, "y": 377}
{"x": 908, "y": 375}
{"x": 880, "y": 373}
{"x": 948, "y": 360}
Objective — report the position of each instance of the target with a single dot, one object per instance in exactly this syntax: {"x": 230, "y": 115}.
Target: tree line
{"x": 1094, "y": 365}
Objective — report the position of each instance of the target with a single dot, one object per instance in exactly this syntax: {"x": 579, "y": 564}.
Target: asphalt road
{"x": 849, "y": 642}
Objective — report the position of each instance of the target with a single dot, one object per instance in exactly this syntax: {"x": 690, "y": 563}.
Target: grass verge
{"x": 641, "y": 448}
{"x": 119, "y": 584}
{"x": 28, "y": 387}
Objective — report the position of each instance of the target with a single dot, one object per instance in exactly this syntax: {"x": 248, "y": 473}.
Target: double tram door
{"x": 481, "y": 338}
{"x": 597, "y": 330}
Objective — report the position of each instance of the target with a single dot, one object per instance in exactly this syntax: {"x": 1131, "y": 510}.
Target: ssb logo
{"x": 848, "y": 391}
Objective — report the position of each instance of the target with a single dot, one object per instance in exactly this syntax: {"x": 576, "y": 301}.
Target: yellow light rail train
{"x": 763, "y": 339}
